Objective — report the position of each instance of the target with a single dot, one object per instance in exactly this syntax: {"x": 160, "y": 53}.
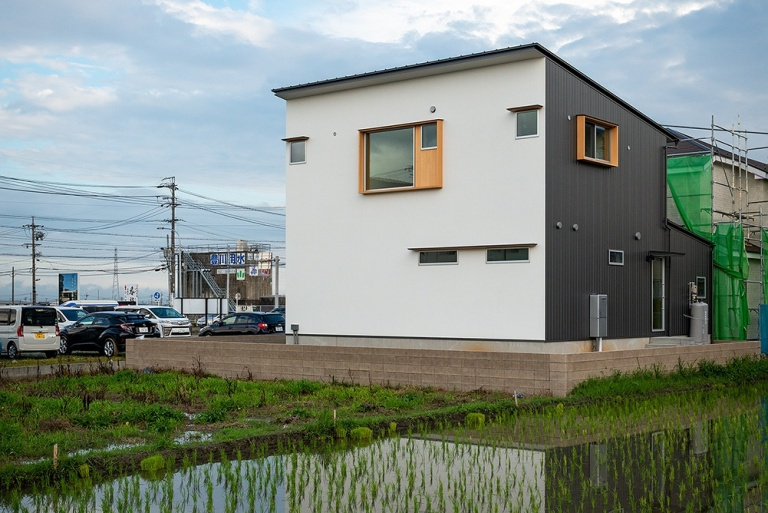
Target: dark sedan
{"x": 245, "y": 323}
{"x": 105, "y": 332}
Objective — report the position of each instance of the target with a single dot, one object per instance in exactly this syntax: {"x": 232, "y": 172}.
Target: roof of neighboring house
{"x": 449, "y": 65}
{"x": 688, "y": 145}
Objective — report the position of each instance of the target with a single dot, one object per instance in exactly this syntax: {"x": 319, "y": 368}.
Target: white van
{"x": 68, "y": 315}
{"x": 93, "y": 305}
{"x": 28, "y": 329}
{"x": 170, "y": 322}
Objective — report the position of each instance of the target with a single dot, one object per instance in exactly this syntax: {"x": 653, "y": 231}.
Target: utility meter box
{"x": 598, "y": 315}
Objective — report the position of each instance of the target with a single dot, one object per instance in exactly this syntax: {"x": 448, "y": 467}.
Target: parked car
{"x": 245, "y": 323}
{"x": 205, "y": 320}
{"x": 279, "y": 310}
{"x": 28, "y": 328}
{"x": 68, "y": 315}
{"x": 106, "y": 332}
{"x": 170, "y": 322}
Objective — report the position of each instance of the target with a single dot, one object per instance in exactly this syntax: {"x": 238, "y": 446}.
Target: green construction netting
{"x": 689, "y": 179}
{"x": 730, "y": 311}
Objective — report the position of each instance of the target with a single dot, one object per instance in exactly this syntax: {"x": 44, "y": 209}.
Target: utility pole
{"x": 115, "y": 281}
{"x": 170, "y": 183}
{"x": 13, "y": 285}
{"x": 37, "y": 235}
{"x": 277, "y": 281}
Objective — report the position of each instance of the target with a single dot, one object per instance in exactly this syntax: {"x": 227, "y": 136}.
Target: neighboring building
{"x": 717, "y": 191}
{"x": 478, "y": 203}
{"x": 241, "y": 272}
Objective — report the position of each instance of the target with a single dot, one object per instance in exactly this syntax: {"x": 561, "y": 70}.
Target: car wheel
{"x": 13, "y": 351}
{"x": 64, "y": 346}
{"x": 110, "y": 347}
{"x": 207, "y": 334}
{"x": 51, "y": 354}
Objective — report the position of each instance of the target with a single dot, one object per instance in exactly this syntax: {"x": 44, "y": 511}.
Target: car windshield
{"x": 74, "y": 315}
{"x": 133, "y": 317}
{"x": 166, "y": 313}
{"x": 38, "y": 316}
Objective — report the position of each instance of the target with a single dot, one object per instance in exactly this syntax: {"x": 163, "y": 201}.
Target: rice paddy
{"x": 695, "y": 452}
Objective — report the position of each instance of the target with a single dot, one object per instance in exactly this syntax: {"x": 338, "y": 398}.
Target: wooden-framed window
{"x": 401, "y": 157}
{"x": 597, "y": 141}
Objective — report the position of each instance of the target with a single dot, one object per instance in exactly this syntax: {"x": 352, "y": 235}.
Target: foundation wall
{"x": 530, "y": 373}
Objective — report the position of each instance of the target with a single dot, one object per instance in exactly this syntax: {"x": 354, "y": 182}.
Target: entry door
{"x": 658, "y": 299}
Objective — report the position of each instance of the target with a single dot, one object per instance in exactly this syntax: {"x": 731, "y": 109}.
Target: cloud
{"x": 245, "y": 26}
{"x": 61, "y": 94}
{"x": 489, "y": 20}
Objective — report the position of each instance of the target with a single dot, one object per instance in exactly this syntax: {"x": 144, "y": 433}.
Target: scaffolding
{"x": 733, "y": 221}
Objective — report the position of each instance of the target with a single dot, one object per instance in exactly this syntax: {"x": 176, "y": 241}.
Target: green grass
{"x": 128, "y": 412}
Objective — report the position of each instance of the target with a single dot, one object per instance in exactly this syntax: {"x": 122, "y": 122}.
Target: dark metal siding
{"x": 682, "y": 271}
{"x": 609, "y": 205}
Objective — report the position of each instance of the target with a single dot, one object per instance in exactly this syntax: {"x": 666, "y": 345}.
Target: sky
{"x": 102, "y": 101}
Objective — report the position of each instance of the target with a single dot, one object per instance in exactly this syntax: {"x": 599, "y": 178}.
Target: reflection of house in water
{"x": 708, "y": 464}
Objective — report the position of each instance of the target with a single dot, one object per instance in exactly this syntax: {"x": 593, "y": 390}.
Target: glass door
{"x": 658, "y": 300}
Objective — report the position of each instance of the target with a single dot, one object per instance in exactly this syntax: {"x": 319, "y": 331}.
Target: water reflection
{"x": 674, "y": 456}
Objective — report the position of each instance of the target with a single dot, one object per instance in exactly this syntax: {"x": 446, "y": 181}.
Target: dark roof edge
{"x": 688, "y": 232}
{"x": 426, "y": 68}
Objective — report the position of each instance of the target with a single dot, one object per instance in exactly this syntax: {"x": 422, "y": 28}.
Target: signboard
{"x": 222, "y": 259}
{"x": 157, "y": 296}
{"x": 68, "y": 287}
{"x": 131, "y": 293}
{"x": 240, "y": 274}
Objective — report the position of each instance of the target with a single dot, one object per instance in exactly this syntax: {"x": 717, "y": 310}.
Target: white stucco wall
{"x": 351, "y": 271}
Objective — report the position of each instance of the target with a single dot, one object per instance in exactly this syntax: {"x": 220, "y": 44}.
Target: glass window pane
{"x": 507, "y": 255}
{"x": 526, "y": 123}
{"x": 298, "y": 152}
{"x": 390, "y": 159}
{"x": 429, "y": 136}
{"x": 438, "y": 257}
{"x": 600, "y": 146}
{"x": 589, "y": 139}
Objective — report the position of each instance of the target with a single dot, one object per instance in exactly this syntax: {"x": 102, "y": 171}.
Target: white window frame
{"x": 612, "y": 252}
{"x": 527, "y": 260}
{"x": 439, "y": 251}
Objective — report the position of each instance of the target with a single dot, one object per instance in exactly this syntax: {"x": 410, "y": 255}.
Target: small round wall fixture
{"x": 558, "y": 225}
{"x": 432, "y": 109}
{"x": 637, "y": 236}
{"x": 575, "y": 227}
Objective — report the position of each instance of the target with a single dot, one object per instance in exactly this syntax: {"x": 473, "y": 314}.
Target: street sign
{"x": 240, "y": 274}
{"x": 156, "y": 296}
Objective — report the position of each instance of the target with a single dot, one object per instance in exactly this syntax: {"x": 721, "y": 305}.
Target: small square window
{"x": 298, "y": 152}
{"x": 701, "y": 287}
{"x": 527, "y": 123}
{"x": 615, "y": 257}
{"x": 597, "y": 141}
{"x": 438, "y": 257}
{"x": 506, "y": 255}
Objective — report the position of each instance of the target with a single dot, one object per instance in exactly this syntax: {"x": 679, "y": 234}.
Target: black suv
{"x": 245, "y": 323}
{"x": 105, "y": 332}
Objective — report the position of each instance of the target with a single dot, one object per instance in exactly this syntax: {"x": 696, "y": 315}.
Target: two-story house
{"x": 493, "y": 201}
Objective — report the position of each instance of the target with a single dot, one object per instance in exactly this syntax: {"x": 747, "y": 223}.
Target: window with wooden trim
{"x": 401, "y": 157}
{"x": 597, "y": 141}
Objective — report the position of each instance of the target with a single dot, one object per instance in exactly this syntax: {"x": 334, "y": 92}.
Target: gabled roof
{"x": 688, "y": 145}
{"x": 441, "y": 66}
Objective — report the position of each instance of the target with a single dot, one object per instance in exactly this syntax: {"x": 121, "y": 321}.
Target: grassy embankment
{"x": 109, "y": 421}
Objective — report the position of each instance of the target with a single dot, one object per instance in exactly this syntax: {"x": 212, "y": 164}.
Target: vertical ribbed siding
{"x": 609, "y": 205}
{"x": 684, "y": 270}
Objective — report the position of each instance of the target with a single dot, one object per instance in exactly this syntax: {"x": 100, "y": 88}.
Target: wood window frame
{"x": 427, "y": 162}
{"x": 612, "y": 141}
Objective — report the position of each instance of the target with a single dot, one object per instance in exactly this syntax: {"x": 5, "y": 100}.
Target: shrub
{"x": 361, "y": 435}
{"x": 474, "y": 420}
